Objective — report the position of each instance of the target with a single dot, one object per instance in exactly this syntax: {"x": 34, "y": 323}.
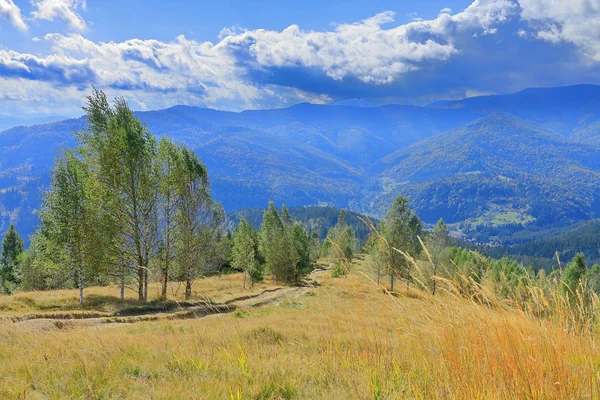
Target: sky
{"x": 242, "y": 54}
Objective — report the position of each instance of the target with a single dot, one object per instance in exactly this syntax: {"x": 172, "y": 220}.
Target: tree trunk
{"x": 165, "y": 282}
{"x": 80, "y": 284}
{"x": 145, "y": 284}
{"x": 244, "y": 284}
{"x": 188, "y": 289}
{"x": 392, "y": 281}
{"x": 122, "y": 282}
{"x": 140, "y": 272}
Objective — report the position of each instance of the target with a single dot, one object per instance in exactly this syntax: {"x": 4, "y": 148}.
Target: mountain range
{"x": 528, "y": 159}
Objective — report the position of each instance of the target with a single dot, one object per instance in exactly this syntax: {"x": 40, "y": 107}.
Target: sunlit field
{"x": 342, "y": 338}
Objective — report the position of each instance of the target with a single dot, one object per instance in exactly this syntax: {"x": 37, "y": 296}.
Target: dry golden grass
{"x": 343, "y": 340}
{"x": 106, "y": 298}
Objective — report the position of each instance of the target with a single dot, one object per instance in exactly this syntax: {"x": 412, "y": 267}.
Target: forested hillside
{"x": 497, "y": 169}
{"x": 471, "y": 162}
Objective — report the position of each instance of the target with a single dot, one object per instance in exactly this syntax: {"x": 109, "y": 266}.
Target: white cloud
{"x": 231, "y": 73}
{"x": 10, "y": 11}
{"x": 573, "y": 21}
{"x": 366, "y": 50}
{"x": 65, "y": 10}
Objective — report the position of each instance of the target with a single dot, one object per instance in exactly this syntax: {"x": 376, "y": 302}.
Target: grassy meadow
{"x": 344, "y": 338}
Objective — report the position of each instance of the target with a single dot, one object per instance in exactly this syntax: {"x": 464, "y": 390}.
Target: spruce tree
{"x": 12, "y": 248}
{"x": 278, "y": 247}
{"x": 573, "y": 276}
{"x": 286, "y": 218}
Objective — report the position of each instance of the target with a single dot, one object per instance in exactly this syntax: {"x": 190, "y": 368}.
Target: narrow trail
{"x": 274, "y": 296}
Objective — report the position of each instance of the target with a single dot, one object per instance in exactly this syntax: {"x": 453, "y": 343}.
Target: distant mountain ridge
{"x": 528, "y": 157}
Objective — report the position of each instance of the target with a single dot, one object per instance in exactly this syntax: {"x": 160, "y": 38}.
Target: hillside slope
{"x": 563, "y": 110}
{"x": 498, "y": 170}
{"x": 498, "y": 164}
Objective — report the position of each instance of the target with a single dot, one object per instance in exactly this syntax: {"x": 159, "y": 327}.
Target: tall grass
{"x": 347, "y": 339}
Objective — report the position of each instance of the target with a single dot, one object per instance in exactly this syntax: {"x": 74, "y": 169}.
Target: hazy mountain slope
{"x": 358, "y": 135}
{"x": 7, "y": 122}
{"x": 248, "y": 168}
{"x": 496, "y": 165}
{"x": 26, "y": 156}
{"x": 588, "y": 134}
{"x": 498, "y": 170}
{"x": 562, "y": 110}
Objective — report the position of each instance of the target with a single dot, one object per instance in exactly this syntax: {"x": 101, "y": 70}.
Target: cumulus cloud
{"x": 234, "y": 73}
{"x": 10, "y": 11}
{"x": 65, "y": 10}
{"x": 575, "y": 21}
{"x": 367, "y": 50}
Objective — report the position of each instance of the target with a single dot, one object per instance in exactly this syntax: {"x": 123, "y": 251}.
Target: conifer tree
{"x": 278, "y": 247}
{"x": 573, "y": 276}
{"x": 286, "y": 218}
{"x": 12, "y": 248}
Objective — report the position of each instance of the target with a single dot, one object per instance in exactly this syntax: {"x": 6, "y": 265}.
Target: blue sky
{"x": 239, "y": 55}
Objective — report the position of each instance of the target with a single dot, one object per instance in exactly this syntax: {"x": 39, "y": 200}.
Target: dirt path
{"x": 274, "y": 296}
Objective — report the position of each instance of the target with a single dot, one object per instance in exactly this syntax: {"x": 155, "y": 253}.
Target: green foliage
{"x": 121, "y": 206}
{"x": 121, "y": 153}
{"x": 256, "y": 271}
{"x": 340, "y": 242}
{"x": 244, "y": 251}
{"x": 467, "y": 268}
{"x": 400, "y": 228}
{"x": 285, "y": 246}
{"x": 10, "y": 260}
{"x": 339, "y": 270}
{"x": 200, "y": 223}
{"x": 302, "y": 246}
{"x": 573, "y": 276}
{"x": 43, "y": 265}
{"x": 72, "y": 219}
{"x": 318, "y": 220}
{"x": 511, "y": 279}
